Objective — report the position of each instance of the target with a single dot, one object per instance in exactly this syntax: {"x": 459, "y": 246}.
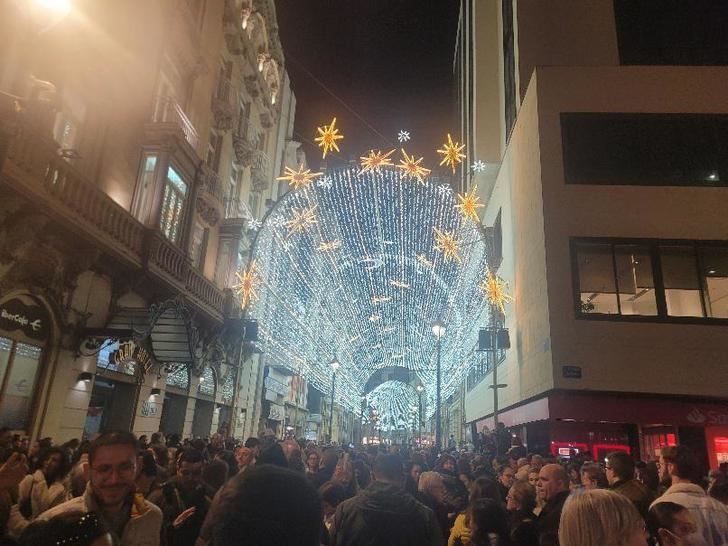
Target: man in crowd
{"x": 621, "y": 478}
{"x": 110, "y": 493}
{"x": 184, "y": 500}
{"x": 384, "y": 513}
{"x": 506, "y": 477}
{"x": 553, "y": 486}
{"x": 710, "y": 515}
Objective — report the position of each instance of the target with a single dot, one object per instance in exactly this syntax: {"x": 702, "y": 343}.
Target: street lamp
{"x": 335, "y": 365}
{"x": 419, "y": 388}
{"x": 438, "y": 328}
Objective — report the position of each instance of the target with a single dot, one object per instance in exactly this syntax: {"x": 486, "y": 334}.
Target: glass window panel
{"x": 680, "y": 277}
{"x": 176, "y": 180}
{"x": 715, "y": 278}
{"x": 146, "y": 186}
{"x": 16, "y": 402}
{"x": 596, "y": 278}
{"x": 179, "y": 377}
{"x": 6, "y": 347}
{"x": 207, "y": 385}
{"x": 228, "y": 387}
{"x": 635, "y": 280}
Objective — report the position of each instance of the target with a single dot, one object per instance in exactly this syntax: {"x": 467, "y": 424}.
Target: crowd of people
{"x": 123, "y": 490}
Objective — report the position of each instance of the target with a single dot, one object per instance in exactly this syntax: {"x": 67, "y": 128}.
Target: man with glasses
{"x": 111, "y": 493}
{"x": 620, "y": 475}
{"x": 184, "y": 500}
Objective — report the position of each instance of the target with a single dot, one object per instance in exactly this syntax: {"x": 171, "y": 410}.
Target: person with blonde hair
{"x": 598, "y": 517}
{"x": 432, "y": 493}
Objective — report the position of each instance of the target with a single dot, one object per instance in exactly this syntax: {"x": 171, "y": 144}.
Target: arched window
{"x": 207, "y": 383}
{"x": 178, "y": 377}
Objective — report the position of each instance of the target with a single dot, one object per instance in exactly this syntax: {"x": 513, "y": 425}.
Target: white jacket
{"x": 41, "y": 496}
{"x": 711, "y": 516}
{"x": 143, "y": 529}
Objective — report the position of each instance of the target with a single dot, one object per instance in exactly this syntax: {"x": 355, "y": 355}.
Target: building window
{"x": 175, "y": 193}
{"x": 145, "y": 187}
{"x": 19, "y": 366}
{"x": 509, "y": 66}
{"x": 673, "y": 32}
{"x": 645, "y": 149}
{"x": 661, "y": 279}
{"x": 207, "y": 383}
{"x": 198, "y": 245}
{"x": 178, "y": 377}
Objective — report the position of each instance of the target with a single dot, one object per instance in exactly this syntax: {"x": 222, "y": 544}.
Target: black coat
{"x": 548, "y": 520}
{"x": 523, "y": 529}
{"x": 384, "y": 515}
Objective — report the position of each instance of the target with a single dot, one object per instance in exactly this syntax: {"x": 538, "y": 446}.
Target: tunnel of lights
{"x": 362, "y": 282}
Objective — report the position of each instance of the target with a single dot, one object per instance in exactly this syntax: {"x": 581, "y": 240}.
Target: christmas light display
{"x": 374, "y": 160}
{"x": 478, "y": 166}
{"x": 328, "y": 135}
{"x": 413, "y": 167}
{"x": 369, "y": 301}
{"x": 446, "y": 243}
{"x": 254, "y": 224}
{"x": 469, "y": 205}
{"x": 495, "y": 290}
{"x": 247, "y": 286}
{"x": 403, "y": 136}
{"x": 395, "y": 403}
{"x": 452, "y": 153}
{"x": 300, "y": 178}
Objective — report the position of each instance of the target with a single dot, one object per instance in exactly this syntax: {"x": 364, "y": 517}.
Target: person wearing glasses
{"x": 672, "y": 525}
{"x": 111, "y": 493}
{"x": 621, "y": 477}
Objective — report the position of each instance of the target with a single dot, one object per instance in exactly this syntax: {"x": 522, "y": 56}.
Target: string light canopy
{"x": 353, "y": 269}
{"x": 396, "y": 405}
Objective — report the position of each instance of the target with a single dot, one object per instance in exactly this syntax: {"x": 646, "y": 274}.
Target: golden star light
{"x": 413, "y": 167}
{"x": 469, "y": 204}
{"x": 452, "y": 153}
{"x": 300, "y": 178}
{"x": 301, "y": 220}
{"x": 374, "y": 160}
{"x": 247, "y": 285}
{"x": 328, "y": 135}
{"x": 446, "y": 243}
{"x": 495, "y": 290}
{"x": 328, "y": 246}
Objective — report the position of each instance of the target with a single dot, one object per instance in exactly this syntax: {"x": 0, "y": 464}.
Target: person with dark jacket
{"x": 553, "y": 483}
{"x": 184, "y": 500}
{"x": 456, "y": 495}
{"x": 384, "y": 514}
{"x": 621, "y": 478}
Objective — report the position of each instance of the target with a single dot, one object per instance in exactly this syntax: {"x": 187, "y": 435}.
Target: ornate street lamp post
{"x": 334, "y": 366}
{"x": 438, "y": 328}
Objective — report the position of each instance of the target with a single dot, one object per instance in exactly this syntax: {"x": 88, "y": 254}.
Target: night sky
{"x": 391, "y": 61}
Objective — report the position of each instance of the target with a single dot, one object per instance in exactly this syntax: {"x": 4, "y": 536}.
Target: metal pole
{"x": 438, "y": 424}
{"x": 419, "y": 420}
{"x": 331, "y": 411}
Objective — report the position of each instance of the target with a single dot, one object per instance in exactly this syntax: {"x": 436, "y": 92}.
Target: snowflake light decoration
{"x": 446, "y": 243}
{"x": 495, "y": 290}
{"x": 452, "y": 153}
{"x": 444, "y": 189}
{"x": 469, "y": 204}
{"x": 277, "y": 221}
{"x": 247, "y": 285}
{"x": 413, "y": 167}
{"x": 254, "y": 224}
{"x": 301, "y": 220}
{"x": 374, "y": 160}
{"x": 403, "y": 136}
{"x": 479, "y": 166}
{"x": 301, "y": 178}
{"x": 325, "y": 182}
{"x": 328, "y": 135}
{"x": 328, "y": 246}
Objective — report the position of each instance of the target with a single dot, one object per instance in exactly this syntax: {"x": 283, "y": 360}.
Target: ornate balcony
{"x": 244, "y": 150}
{"x": 168, "y": 112}
{"x": 33, "y": 168}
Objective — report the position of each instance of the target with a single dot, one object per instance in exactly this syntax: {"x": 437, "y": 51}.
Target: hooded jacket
{"x": 385, "y": 515}
{"x": 42, "y": 497}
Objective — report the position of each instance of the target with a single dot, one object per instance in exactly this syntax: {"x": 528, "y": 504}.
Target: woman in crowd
{"x": 344, "y": 476}
{"x": 488, "y": 524}
{"x": 432, "y": 493}
{"x": 520, "y": 503}
{"x": 482, "y": 488}
{"x": 597, "y": 517}
{"x": 40, "y": 491}
{"x": 147, "y": 479}
{"x": 312, "y": 463}
{"x": 672, "y": 525}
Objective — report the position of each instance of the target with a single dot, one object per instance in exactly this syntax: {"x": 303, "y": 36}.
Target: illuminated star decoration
{"x": 452, "y": 153}
{"x": 328, "y": 246}
{"x": 422, "y": 259}
{"x": 247, "y": 285}
{"x": 495, "y": 290}
{"x": 413, "y": 167}
{"x": 399, "y": 284}
{"x": 469, "y": 204}
{"x": 403, "y": 136}
{"x": 479, "y": 166}
{"x": 300, "y": 178}
{"x": 301, "y": 220}
{"x": 254, "y": 224}
{"x": 328, "y": 135}
{"x": 373, "y": 160}
{"x": 446, "y": 243}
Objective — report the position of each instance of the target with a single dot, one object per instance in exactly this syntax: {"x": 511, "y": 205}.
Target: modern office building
{"x": 605, "y": 125}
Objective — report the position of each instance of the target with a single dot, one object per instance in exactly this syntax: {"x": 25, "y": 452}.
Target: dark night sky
{"x": 389, "y": 60}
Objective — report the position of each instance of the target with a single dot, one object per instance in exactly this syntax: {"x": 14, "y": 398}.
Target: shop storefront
{"x": 565, "y": 423}
{"x": 204, "y": 404}
{"x": 174, "y": 409}
{"x": 24, "y": 335}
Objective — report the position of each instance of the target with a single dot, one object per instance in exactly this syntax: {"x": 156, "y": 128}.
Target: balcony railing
{"x": 168, "y": 111}
{"x": 210, "y": 182}
{"x": 224, "y": 105}
{"x": 237, "y": 208}
{"x": 33, "y": 167}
